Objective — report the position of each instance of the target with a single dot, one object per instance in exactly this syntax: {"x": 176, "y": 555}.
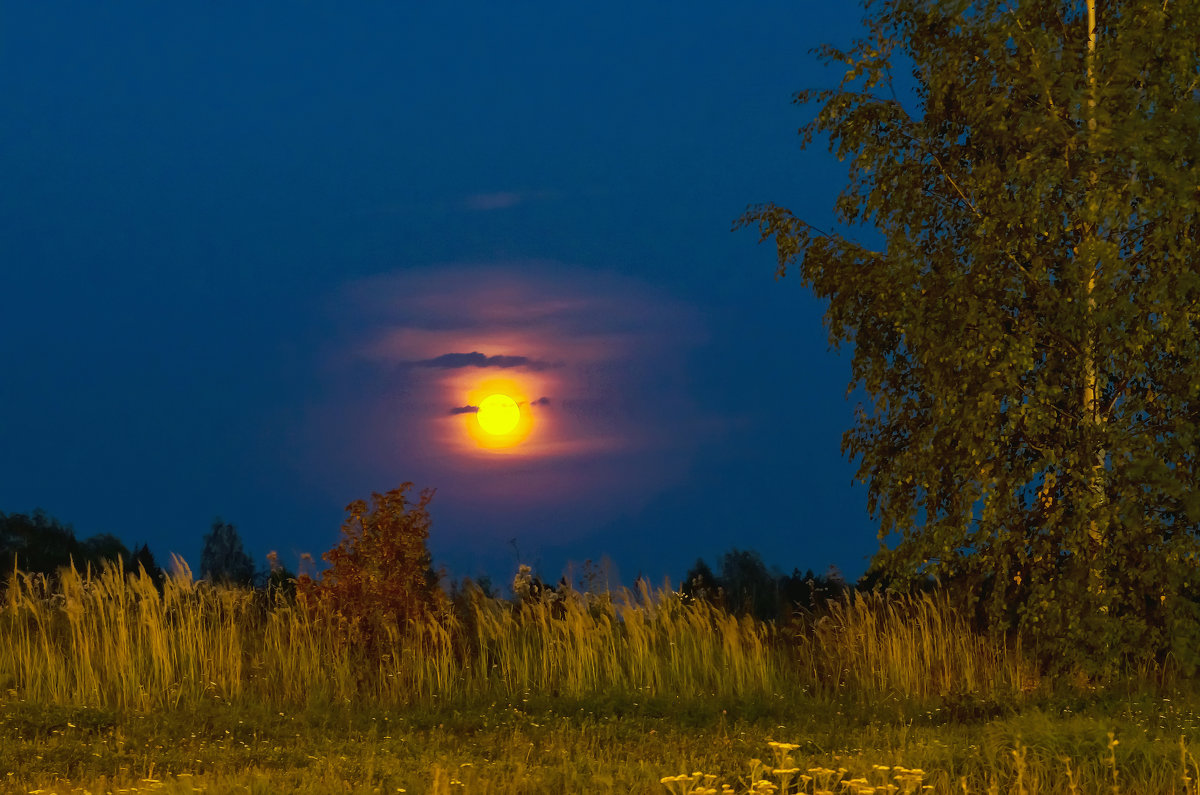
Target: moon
{"x": 503, "y": 417}
{"x": 498, "y": 414}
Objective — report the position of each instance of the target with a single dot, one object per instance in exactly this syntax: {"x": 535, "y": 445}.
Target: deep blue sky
{"x": 230, "y": 233}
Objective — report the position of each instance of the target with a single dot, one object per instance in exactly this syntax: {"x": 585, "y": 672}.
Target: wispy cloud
{"x": 451, "y": 361}
{"x": 456, "y": 410}
{"x": 557, "y": 316}
{"x": 599, "y": 358}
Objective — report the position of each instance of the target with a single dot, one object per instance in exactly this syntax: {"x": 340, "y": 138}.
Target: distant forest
{"x": 741, "y": 581}
{"x": 40, "y": 544}
{"x": 37, "y": 543}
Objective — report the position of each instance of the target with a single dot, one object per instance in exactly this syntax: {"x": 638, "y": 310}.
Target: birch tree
{"x": 1029, "y": 330}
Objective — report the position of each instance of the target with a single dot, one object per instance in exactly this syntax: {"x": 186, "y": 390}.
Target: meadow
{"x": 111, "y": 682}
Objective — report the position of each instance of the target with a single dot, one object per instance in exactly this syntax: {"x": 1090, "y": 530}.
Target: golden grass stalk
{"x": 914, "y": 646}
{"x": 118, "y": 638}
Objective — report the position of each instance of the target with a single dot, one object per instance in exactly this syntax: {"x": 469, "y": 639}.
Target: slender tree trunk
{"x": 1091, "y": 397}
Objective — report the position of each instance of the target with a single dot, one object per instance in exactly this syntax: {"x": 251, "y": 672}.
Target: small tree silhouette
{"x": 749, "y": 586}
{"x": 810, "y": 592}
{"x": 381, "y": 571}
{"x": 279, "y": 582}
{"x": 143, "y": 557}
{"x": 700, "y": 583}
{"x": 224, "y": 559}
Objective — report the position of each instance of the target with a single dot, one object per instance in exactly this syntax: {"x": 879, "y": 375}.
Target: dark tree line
{"x": 39, "y": 543}
{"x": 383, "y": 561}
{"x": 744, "y": 584}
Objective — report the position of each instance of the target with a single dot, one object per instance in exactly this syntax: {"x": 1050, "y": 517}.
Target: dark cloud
{"x": 542, "y": 401}
{"x": 452, "y": 361}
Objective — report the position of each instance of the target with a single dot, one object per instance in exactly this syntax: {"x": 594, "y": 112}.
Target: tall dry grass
{"x": 115, "y": 638}
{"x": 915, "y": 646}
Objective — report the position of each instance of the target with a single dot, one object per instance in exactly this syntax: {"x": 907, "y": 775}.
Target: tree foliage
{"x": 223, "y": 558}
{"x": 1029, "y": 331}
{"x": 381, "y": 573}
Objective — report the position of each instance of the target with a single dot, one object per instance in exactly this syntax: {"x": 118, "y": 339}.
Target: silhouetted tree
{"x": 811, "y": 592}
{"x": 224, "y": 559}
{"x": 749, "y": 586}
{"x": 700, "y": 583}
{"x": 35, "y": 543}
{"x": 38, "y": 543}
{"x": 97, "y": 549}
{"x": 143, "y": 557}
{"x": 278, "y": 582}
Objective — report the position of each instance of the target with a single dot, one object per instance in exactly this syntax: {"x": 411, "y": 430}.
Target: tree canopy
{"x": 1029, "y": 330}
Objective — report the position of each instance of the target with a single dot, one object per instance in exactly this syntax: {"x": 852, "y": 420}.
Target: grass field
{"x": 109, "y": 684}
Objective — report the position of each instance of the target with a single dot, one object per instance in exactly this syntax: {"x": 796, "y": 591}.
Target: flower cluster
{"x": 784, "y": 776}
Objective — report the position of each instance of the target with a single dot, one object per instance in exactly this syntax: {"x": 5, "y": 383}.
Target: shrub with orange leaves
{"x": 381, "y": 571}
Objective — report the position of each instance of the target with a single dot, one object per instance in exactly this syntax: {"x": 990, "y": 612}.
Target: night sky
{"x": 257, "y": 259}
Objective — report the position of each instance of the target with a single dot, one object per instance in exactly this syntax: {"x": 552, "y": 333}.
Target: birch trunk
{"x": 1091, "y": 414}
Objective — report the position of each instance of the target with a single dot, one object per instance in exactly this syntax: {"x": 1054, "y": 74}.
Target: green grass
{"x": 109, "y": 685}
{"x": 578, "y": 746}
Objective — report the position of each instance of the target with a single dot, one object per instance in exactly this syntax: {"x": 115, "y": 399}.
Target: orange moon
{"x": 502, "y": 419}
{"x": 498, "y": 414}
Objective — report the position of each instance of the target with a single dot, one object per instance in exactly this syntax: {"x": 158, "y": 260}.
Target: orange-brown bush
{"x": 380, "y": 575}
